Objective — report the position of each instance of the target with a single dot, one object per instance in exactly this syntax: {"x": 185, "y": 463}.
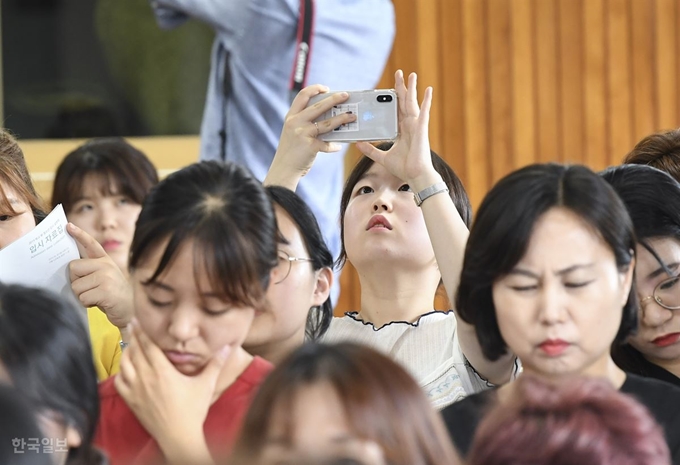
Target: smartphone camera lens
{"x": 384, "y": 98}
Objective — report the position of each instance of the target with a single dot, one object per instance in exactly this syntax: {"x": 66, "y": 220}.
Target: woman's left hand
{"x": 409, "y": 158}
{"x": 171, "y": 406}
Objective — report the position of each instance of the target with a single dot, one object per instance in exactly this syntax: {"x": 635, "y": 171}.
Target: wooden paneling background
{"x": 523, "y": 81}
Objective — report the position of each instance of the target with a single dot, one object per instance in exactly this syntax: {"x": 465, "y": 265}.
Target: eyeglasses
{"x": 282, "y": 269}
{"x": 666, "y": 294}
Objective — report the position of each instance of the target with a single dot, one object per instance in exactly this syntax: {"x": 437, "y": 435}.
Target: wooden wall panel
{"x": 475, "y": 99}
{"x": 644, "y": 114}
{"x": 665, "y": 44}
{"x": 523, "y": 81}
{"x": 571, "y": 80}
{"x": 548, "y": 126}
{"x": 523, "y": 102}
{"x": 449, "y": 56}
{"x": 500, "y": 88}
{"x": 619, "y": 80}
{"x": 594, "y": 81}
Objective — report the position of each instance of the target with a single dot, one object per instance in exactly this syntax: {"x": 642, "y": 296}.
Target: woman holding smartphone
{"x": 401, "y": 249}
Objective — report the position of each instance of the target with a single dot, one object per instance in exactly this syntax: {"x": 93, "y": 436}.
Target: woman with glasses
{"x": 299, "y": 306}
{"x": 653, "y": 201}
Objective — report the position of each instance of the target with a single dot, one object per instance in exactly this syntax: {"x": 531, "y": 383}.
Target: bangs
{"x": 108, "y": 180}
{"x": 244, "y": 290}
{"x": 11, "y": 182}
{"x": 289, "y": 396}
{"x": 5, "y": 205}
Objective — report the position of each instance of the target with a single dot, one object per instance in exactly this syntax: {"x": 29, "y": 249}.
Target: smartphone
{"x": 376, "y": 112}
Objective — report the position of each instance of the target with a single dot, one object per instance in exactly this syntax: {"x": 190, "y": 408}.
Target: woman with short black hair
{"x": 547, "y": 275}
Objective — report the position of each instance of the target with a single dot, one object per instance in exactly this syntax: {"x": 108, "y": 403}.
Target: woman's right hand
{"x": 97, "y": 281}
{"x": 170, "y": 405}
{"x": 299, "y": 142}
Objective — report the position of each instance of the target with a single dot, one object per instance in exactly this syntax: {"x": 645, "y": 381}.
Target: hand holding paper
{"x": 41, "y": 257}
{"x": 97, "y": 280}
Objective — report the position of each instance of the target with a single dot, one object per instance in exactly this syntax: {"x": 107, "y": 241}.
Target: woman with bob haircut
{"x": 653, "y": 201}
{"x": 584, "y": 421}
{"x": 325, "y": 400}
{"x": 548, "y": 275}
{"x": 299, "y": 306}
{"x": 21, "y": 209}
{"x": 101, "y": 185}
{"x": 200, "y": 264}
{"x": 402, "y": 250}
{"x": 45, "y": 354}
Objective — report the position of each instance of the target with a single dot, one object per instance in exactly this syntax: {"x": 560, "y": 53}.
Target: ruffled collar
{"x": 355, "y": 316}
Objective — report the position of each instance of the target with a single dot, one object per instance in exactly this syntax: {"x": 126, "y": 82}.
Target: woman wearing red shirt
{"x": 200, "y": 262}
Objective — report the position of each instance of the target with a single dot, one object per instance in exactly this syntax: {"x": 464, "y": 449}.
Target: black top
{"x": 632, "y": 361}
{"x": 662, "y": 399}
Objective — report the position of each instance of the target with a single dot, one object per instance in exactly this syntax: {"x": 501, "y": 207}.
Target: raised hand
{"x": 299, "y": 142}
{"x": 409, "y": 158}
{"x": 98, "y": 281}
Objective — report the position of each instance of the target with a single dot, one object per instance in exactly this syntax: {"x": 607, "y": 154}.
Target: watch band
{"x": 434, "y": 189}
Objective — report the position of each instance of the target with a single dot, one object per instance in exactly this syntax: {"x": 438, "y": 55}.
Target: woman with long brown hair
{"x": 342, "y": 400}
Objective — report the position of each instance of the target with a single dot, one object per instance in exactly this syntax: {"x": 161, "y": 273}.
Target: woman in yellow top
{"x": 101, "y": 186}
{"x": 97, "y": 276}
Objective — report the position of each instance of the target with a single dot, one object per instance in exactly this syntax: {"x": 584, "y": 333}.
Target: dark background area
{"x": 86, "y": 68}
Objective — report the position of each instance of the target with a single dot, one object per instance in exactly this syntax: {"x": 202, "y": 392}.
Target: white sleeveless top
{"x": 429, "y": 349}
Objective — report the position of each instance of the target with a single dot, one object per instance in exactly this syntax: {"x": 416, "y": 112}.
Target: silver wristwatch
{"x": 434, "y": 189}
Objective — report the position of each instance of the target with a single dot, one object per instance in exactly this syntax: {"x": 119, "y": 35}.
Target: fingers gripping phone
{"x": 376, "y": 112}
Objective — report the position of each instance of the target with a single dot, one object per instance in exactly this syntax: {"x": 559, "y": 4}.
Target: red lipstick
{"x": 666, "y": 340}
{"x": 554, "y": 347}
